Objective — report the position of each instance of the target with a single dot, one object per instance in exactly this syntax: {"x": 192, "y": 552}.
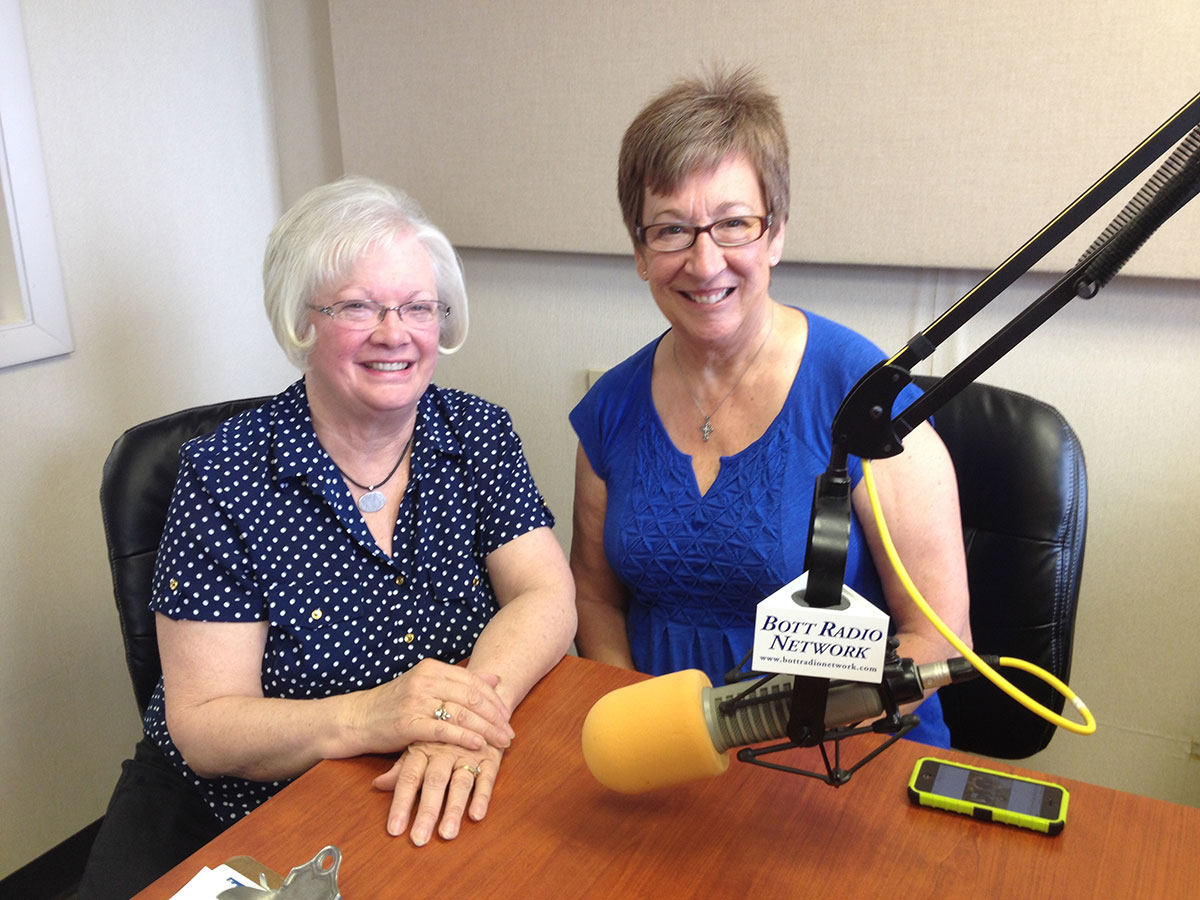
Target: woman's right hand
{"x": 405, "y": 710}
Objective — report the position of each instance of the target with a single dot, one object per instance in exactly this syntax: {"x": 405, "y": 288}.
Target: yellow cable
{"x": 1089, "y": 721}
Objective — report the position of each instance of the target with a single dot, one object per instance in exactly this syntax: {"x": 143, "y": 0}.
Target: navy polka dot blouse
{"x": 262, "y": 527}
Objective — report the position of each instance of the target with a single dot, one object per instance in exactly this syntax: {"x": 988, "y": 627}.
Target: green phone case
{"x": 988, "y": 813}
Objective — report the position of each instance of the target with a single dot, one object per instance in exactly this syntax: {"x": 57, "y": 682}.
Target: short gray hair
{"x": 317, "y": 242}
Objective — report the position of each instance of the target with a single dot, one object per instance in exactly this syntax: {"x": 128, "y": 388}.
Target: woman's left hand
{"x": 434, "y": 784}
{"x": 446, "y": 778}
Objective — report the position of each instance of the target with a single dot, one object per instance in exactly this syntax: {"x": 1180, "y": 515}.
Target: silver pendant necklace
{"x": 374, "y": 500}
{"x": 707, "y": 429}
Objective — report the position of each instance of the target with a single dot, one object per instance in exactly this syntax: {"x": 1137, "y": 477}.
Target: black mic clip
{"x": 806, "y": 725}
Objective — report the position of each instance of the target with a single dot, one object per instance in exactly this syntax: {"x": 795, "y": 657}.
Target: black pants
{"x": 154, "y": 821}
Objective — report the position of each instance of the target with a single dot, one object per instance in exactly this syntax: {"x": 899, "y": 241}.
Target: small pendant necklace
{"x": 373, "y": 500}
{"x": 707, "y": 429}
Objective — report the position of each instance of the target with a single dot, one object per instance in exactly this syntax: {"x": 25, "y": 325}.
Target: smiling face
{"x": 374, "y": 372}
{"x": 711, "y": 293}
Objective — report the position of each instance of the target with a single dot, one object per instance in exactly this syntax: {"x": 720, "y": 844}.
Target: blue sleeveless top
{"x": 695, "y": 566}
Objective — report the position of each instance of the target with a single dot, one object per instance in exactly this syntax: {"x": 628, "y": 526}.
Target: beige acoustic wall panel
{"x": 935, "y": 133}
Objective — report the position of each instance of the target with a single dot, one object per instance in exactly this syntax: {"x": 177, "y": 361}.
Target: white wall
{"x": 161, "y": 162}
{"x": 160, "y": 159}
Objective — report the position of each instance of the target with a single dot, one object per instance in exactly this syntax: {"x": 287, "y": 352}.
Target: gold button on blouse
{"x": 317, "y": 614}
{"x": 400, "y": 580}
{"x": 409, "y": 638}
{"x": 174, "y": 584}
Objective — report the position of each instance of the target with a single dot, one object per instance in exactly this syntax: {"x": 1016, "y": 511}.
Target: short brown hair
{"x": 691, "y": 127}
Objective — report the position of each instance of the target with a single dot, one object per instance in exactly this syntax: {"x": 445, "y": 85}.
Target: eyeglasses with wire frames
{"x": 362, "y": 315}
{"x": 735, "y": 231}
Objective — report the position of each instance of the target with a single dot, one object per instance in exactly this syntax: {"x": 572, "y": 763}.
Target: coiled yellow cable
{"x": 1089, "y": 721}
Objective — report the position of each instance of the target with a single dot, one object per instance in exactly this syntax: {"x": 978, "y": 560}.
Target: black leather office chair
{"x": 135, "y": 490}
{"x": 1022, "y": 487}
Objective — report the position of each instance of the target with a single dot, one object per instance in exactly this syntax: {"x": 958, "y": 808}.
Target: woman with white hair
{"x": 329, "y": 557}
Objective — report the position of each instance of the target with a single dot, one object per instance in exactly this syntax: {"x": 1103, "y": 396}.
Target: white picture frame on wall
{"x": 39, "y": 328}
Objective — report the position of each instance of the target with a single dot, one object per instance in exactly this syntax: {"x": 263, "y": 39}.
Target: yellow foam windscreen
{"x": 651, "y": 735}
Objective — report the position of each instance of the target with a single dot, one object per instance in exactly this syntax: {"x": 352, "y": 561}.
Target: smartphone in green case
{"x": 988, "y": 795}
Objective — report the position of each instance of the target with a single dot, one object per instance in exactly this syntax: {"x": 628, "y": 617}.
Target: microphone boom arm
{"x": 864, "y": 425}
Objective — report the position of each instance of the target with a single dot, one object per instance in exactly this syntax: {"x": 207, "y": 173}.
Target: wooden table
{"x": 553, "y": 831}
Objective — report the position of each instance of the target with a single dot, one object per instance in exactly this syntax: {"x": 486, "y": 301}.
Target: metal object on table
{"x": 315, "y": 880}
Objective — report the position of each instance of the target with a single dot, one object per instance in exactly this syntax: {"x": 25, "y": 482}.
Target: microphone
{"x": 672, "y": 729}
